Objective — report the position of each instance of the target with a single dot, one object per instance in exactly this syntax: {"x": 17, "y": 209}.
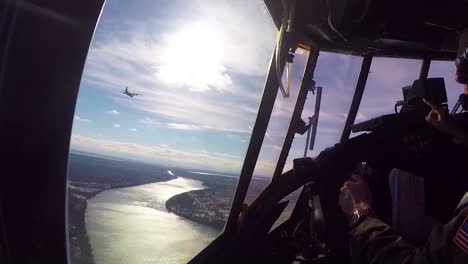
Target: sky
{"x": 200, "y": 67}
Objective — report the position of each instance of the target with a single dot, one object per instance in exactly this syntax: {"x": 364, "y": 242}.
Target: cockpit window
{"x": 446, "y": 69}
{"x": 383, "y": 88}
{"x": 337, "y": 74}
{"x": 169, "y": 95}
{"x": 277, "y": 127}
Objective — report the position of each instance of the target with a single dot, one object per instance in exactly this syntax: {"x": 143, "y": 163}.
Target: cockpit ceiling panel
{"x": 390, "y": 28}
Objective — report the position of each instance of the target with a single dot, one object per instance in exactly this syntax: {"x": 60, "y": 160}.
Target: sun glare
{"x": 192, "y": 57}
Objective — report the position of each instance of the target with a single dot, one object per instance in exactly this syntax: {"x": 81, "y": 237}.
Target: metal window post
{"x": 258, "y": 134}
{"x": 307, "y": 81}
{"x": 426, "y": 64}
{"x": 361, "y": 84}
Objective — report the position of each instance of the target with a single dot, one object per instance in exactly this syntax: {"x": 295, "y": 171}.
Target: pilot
{"x": 373, "y": 241}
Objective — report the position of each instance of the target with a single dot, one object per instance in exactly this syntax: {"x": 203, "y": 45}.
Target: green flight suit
{"x": 372, "y": 241}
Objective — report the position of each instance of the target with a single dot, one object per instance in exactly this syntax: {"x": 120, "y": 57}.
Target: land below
{"x": 211, "y": 206}
{"x": 90, "y": 175}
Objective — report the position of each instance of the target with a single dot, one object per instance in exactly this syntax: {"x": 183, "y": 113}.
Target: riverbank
{"x": 132, "y": 225}
{"x": 91, "y": 175}
{"x": 210, "y": 206}
{"x": 78, "y": 195}
{"x": 201, "y": 206}
{"x": 80, "y": 249}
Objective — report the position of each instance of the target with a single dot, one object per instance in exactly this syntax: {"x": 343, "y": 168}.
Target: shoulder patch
{"x": 461, "y": 238}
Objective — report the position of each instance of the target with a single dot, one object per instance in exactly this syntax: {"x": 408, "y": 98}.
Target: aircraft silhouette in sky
{"x": 127, "y": 93}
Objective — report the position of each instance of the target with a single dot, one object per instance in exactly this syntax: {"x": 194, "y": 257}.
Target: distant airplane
{"x": 127, "y": 93}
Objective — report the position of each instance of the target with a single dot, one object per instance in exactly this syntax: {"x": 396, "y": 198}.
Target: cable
{"x": 398, "y": 103}
{"x": 292, "y": 11}
{"x": 286, "y": 26}
{"x": 278, "y": 60}
{"x": 330, "y": 23}
{"x": 456, "y": 107}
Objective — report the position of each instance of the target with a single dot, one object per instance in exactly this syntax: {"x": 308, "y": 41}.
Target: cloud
{"x": 187, "y": 126}
{"x": 222, "y": 86}
{"x": 160, "y": 154}
{"x": 276, "y": 147}
{"x": 113, "y": 112}
{"x": 116, "y": 125}
{"x": 133, "y": 129}
{"x": 149, "y": 121}
{"x": 84, "y": 120}
{"x": 264, "y": 167}
{"x": 361, "y": 118}
{"x": 384, "y": 89}
{"x": 183, "y": 126}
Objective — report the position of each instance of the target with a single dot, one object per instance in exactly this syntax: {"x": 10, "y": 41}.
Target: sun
{"x": 192, "y": 57}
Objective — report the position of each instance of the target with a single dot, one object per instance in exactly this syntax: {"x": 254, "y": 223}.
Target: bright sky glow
{"x": 191, "y": 57}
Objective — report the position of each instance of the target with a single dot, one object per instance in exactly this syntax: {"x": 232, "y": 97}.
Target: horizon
{"x": 189, "y": 170}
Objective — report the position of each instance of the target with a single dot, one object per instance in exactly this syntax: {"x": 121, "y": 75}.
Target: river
{"x": 131, "y": 225}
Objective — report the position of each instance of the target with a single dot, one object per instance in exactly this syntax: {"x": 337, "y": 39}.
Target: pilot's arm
{"x": 372, "y": 241}
{"x": 455, "y": 126}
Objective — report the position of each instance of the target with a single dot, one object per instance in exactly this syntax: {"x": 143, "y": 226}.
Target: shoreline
{"x": 216, "y": 225}
{"x": 199, "y": 206}
{"x": 78, "y": 194}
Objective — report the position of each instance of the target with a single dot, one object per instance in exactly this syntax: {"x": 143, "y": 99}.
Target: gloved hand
{"x": 444, "y": 122}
